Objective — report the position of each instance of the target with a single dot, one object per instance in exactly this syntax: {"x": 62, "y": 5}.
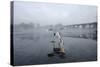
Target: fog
{"x": 51, "y": 13}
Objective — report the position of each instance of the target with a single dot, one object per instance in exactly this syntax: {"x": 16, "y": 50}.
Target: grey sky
{"x": 50, "y": 13}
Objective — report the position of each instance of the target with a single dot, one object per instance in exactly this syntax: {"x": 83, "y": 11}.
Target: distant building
{"x": 86, "y": 25}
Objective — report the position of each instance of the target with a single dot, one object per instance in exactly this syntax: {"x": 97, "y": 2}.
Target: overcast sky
{"x": 50, "y": 13}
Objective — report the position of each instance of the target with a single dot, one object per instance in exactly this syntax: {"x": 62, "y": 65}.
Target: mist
{"x": 51, "y": 14}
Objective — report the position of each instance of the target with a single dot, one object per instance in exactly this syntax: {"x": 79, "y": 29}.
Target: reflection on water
{"x": 28, "y": 36}
{"x": 86, "y": 36}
